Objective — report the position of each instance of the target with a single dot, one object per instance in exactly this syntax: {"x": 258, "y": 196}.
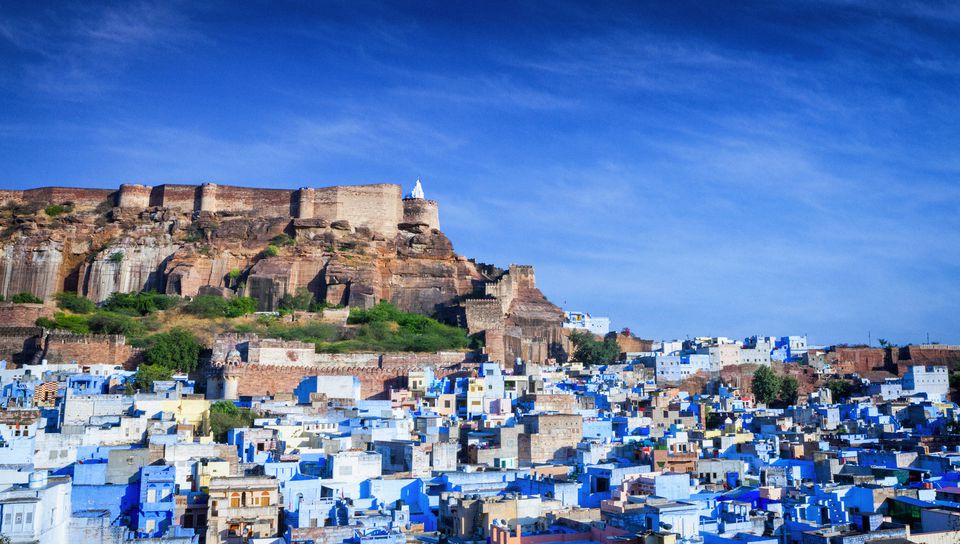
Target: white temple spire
{"x": 417, "y": 190}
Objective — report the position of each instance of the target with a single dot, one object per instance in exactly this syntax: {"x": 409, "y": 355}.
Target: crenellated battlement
{"x": 380, "y": 207}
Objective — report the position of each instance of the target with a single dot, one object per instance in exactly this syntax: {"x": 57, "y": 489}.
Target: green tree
{"x": 147, "y": 374}
{"x": 239, "y": 306}
{"x": 766, "y": 385}
{"x": 789, "y": 391}
{"x": 75, "y": 303}
{"x": 590, "y": 351}
{"x": 177, "y": 349}
{"x": 225, "y": 415}
{"x": 840, "y": 389}
{"x": 955, "y": 379}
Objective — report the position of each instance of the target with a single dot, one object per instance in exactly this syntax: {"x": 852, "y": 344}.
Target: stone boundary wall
{"x": 19, "y": 344}
{"x": 375, "y": 382}
{"x": 109, "y": 349}
{"x": 858, "y": 360}
{"x": 935, "y": 355}
{"x": 24, "y": 315}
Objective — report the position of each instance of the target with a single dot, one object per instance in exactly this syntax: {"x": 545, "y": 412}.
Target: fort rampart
{"x": 379, "y": 207}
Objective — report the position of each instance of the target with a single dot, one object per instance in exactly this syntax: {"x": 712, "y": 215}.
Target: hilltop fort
{"x": 344, "y": 245}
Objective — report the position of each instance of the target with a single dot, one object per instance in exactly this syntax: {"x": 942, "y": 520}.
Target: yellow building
{"x": 242, "y": 508}
{"x": 188, "y": 409}
{"x": 206, "y": 469}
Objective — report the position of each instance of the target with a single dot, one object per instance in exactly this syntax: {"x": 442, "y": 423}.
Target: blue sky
{"x": 687, "y": 169}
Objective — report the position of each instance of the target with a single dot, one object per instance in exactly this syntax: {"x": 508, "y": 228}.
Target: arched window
{"x": 265, "y": 498}
{"x": 234, "y": 500}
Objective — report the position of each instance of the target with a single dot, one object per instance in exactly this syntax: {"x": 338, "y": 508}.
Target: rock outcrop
{"x": 344, "y": 245}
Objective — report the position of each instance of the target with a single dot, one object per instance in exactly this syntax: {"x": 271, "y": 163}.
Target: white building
{"x": 721, "y": 355}
{"x": 756, "y": 350}
{"x": 676, "y": 368}
{"x": 932, "y": 380}
{"x": 584, "y": 321}
{"x": 355, "y": 466}
{"x": 18, "y": 432}
{"x": 668, "y": 347}
{"x": 36, "y": 513}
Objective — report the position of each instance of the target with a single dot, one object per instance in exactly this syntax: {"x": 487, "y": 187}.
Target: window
{"x": 151, "y": 525}
{"x": 151, "y": 495}
{"x": 265, "y": 498}
{"x": 234, "y": 500}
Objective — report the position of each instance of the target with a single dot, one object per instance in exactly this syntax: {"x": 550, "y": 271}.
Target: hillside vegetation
{"x": 146, "y": 317}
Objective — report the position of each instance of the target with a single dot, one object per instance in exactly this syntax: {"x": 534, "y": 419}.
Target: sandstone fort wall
{"x": 379, "y": 207}
{"x": 83, "y": 199}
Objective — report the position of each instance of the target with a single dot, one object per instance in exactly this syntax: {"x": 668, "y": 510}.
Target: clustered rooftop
{"x": 676, "y": 441}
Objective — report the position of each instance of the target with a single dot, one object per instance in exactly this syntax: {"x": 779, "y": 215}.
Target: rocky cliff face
{"x": 344, "y": 245}
{"x": 96, "y": 250}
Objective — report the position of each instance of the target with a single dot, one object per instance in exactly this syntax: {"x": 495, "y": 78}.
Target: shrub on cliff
{"x": 271, "y": 251}
{"x": 385, "y": 327}
{"x": 54, "y": 210}
{"x": 75, "y": 303}
{"x": 76, "y": 324}
{"x": 114, "y": 323}
{"x": 283, "y": 240}
{"x": 212, "y": 306}
{"x": 137, "y": 304}
{"x": 26, "y": 298}
{"x": 301, "y": 301}
{"x": 177, "y": 349}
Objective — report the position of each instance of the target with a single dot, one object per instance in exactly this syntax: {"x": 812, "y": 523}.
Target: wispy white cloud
{"x": 78, "y": 53}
